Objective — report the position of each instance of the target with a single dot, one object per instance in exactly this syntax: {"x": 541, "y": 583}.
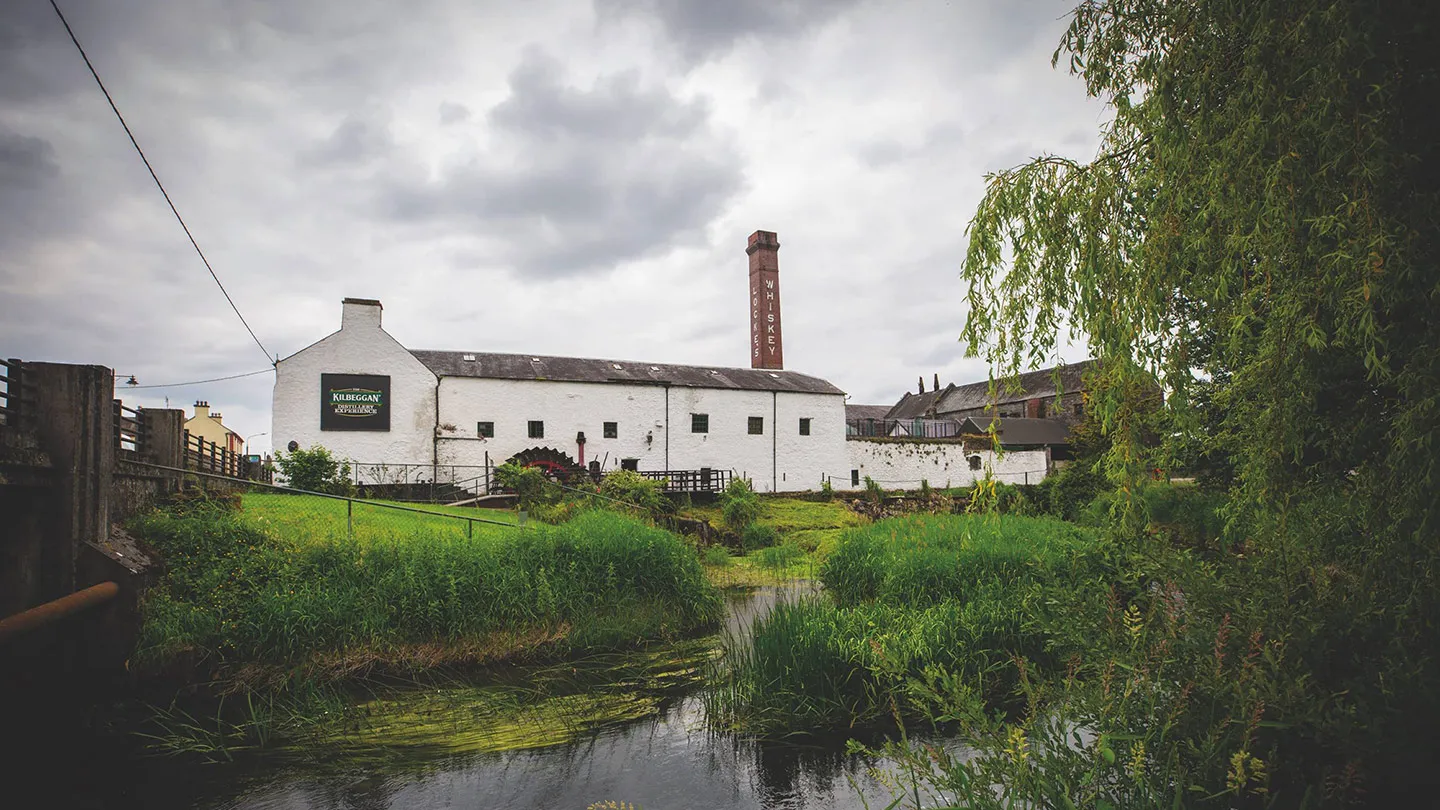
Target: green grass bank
{"x": 911, "y": 604}
{"x": 276, "y": 591}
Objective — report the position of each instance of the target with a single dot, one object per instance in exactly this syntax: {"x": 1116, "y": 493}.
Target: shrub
{"x": 874, "y": 493}
{"x": 757, "y": 536}
{"x": 827, "y": 492}
{"x": 717, "y": 556}
{"x": 529, "y": 484}
{"x": 315, "y": 470}
{"x": 739, "y": 505}
{"x": 633, "y": 488}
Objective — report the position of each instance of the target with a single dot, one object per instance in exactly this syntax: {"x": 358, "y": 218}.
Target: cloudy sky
{"x": 570, "y": 177}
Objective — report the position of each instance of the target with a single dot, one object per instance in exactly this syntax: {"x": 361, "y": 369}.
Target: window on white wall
{"x": 974, "y": 462}
{"x": 485, "y": 430}
{"x": 756, "y": 426}
{"x": 612, "y": 430}
{"x": 805, "y": 426}
{"x": 537, "y": 429}
{"x": 699, "y": 423}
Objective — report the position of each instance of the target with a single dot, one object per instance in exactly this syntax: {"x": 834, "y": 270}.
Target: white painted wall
{"x": 360, "y": 347}
{"x": 566, "y": 408}
{"x": 903, "y": 464}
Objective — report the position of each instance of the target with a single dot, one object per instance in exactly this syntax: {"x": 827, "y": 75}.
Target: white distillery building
{"x": 410, "y": 414}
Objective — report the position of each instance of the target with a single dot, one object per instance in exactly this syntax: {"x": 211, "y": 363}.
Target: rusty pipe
{"x": 53, "y": 611}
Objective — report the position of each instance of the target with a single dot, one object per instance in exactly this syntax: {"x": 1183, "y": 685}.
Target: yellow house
{"x": 208, "y": 426}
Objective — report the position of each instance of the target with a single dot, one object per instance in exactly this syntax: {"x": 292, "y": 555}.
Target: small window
{"x": 699, "y": 423}
{"x": 805, "y": 426}
{"x": 485, "y": 430}
{"x": 537, "y": 429}
{"x": 632, "y": 464}
{"x": 757, "y": 425}
{"x": 974, "y": 462}
{"x": 854, "y": 478}
{"x": 612, "y": 430}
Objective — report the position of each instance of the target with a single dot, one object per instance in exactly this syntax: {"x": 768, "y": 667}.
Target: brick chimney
{"x": 766, "y": 348}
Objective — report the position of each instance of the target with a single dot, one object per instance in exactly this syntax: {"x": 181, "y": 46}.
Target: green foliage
{"x": 923, "y": 559}
{"x": 874, "y": 493}
{"x": 633, "y": 488}
{"x": 529, "y": 484}
{"x": 1256, "y": 235}
{"x": 827, "y": 492}
{"x": 757, "y": 536}
{"x": 234, "y": 592}
{"x": 781, "y": 555}
{"x": 739, "y": 505}
{"x": 315, "y": 470}
{"x": 717, "y": 556}
{"x": 904, "y": 599}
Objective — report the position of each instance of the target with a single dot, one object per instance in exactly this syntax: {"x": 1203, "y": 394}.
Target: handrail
{"x": 294, "y": 491}
{"x": 57, "y": 609}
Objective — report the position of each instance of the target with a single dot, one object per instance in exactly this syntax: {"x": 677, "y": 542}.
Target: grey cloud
{"x": 704, "y": 29}
{"x": 887, "y": 152}
{"x": 25, "y": 162}
{"x": 452, "y": 113}
{"x": 32, "y": 200}
{"x": 355, "y": 140}
{"x": 581, "y": 180}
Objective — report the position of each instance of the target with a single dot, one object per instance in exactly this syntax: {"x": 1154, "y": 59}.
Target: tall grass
{"x": 928, "y": 558}
{"x": 908, "y": 601}
{"x": 239, "y": 591}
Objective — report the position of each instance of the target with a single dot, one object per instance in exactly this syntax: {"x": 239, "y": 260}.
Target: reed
{"x": 239, "y": 591}
{"x": 907, "y": 601}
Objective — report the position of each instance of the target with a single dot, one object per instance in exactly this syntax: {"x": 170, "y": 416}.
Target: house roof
{"x": 1015, "y": 432}
{"x": 1032, "y": 385}
{"x": 915, "y": 406}
{"x": 866, "y": 411}
{"x": 581, "y": 369}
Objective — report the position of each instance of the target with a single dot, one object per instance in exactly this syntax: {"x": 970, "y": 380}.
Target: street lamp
{"x": 252, "y": 436}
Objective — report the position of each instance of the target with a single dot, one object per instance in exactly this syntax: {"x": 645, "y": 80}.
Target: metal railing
{"x": 350, "y": 502}
{"x": 902, "y": 428}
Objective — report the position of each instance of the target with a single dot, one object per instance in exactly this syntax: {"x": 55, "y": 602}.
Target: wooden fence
{"x": 702, "y": 480}
{"x": 132, "y": 442}
{"x": 12, "y": 392}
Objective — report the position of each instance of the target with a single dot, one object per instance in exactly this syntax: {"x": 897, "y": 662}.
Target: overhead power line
{"x": 201, "y": 382}
{"x": 158, "y": 184}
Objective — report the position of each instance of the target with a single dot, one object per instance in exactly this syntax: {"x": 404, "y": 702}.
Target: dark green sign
{"x": 354, "y": 402}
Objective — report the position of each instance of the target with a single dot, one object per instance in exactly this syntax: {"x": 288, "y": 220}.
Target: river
{"x": 624, "y": 729}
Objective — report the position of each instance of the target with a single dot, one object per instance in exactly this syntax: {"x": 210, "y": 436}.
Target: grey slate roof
{"x": 915, "y": 406}
{"x": 582, "y": 369}
{"x": 1015, "y": 432}
{"x": 1033, "y": 384}
{"x": 876, "y": 412}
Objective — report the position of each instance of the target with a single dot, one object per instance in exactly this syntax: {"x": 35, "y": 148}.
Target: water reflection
{"x": 438, "y": 749}
{"x": 671, "y": 761}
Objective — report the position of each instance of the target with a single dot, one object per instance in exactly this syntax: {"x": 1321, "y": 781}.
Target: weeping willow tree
{"x": 1258, "y": 233}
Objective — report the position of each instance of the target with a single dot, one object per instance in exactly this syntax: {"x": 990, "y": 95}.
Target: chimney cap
{"x": 364, "y": 302}
{"x": 762, "y": 240}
